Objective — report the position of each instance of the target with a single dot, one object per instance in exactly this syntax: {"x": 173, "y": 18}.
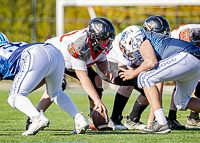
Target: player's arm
{"x": 89, "y": 89}
{"x": 150, "y": 62}
{"x": 103, "y": 67}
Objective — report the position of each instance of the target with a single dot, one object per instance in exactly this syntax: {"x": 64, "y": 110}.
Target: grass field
{"x": 12, "y": 123}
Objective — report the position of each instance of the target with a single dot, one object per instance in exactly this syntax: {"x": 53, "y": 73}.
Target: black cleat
{"x": 174, "y": 124}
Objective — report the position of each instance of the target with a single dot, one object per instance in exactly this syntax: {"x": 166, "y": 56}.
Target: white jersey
{"x": 76, "y": 40}
{"x": 188, "y": 32}
{"x": 116, "y": 55}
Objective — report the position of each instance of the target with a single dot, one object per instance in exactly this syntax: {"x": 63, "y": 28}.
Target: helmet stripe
{"x": 1, "y": 37}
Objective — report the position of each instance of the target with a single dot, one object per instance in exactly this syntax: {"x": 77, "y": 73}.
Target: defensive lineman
{"x": 161, "y": 56}
{"x": 20, "y": 61}
{"x": 189, "y": 33}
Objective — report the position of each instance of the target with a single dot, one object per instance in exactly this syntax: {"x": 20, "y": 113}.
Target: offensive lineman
{"x": 81, "y": 49}
{"x": 159, "y": 24}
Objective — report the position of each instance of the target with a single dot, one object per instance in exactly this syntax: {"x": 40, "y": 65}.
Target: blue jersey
{"x": 165, "y": 46}
{"x": 9, "y": 59}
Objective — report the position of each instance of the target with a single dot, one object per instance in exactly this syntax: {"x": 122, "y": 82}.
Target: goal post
{"x": 60, "y": 4}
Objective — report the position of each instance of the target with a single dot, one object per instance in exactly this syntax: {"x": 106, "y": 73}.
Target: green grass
{"x": 12, "y": 123}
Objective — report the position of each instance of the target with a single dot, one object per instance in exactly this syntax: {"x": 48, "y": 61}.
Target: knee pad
{"x": 11, "y": 100}
{"x": 99, "y": 91}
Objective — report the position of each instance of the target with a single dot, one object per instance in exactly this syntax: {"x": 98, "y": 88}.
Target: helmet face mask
{"x": 100, "y": 28}
{"x": 157, "y": 24}
{"x": 3, "y": 39}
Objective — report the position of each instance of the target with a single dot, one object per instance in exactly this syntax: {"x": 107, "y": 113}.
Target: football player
{"x": 132, "y": 121}
{"x": 189, "y": 33}
{"x": 81, "y": 49}
{"x": 159, "y": 24}
{"x": 19, "y": 62}
{"x": 162, "y": 58}
{"x": 115, "y": 59}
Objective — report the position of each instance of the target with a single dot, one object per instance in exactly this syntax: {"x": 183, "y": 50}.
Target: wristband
{"x": 151, "y": 121}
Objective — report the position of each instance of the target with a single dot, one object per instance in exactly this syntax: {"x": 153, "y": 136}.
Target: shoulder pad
{"x": 80, "y": 49}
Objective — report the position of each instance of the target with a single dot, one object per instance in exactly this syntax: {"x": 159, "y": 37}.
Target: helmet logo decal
{"x": 97, "y": 28}
{"x": 148, "y": 26}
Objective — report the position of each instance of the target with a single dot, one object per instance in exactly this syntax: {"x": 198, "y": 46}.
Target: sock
{"x": 119, "y": 104}
{"x": 160, "y": 116}
{"x": 137, "y": 111}
{"x": 25, "y": 105}
{"x": 91, "y": 111}
{"x": 64, "y": 101}
{"x": 193, "y": 115}
{"x": 172, "y": 114}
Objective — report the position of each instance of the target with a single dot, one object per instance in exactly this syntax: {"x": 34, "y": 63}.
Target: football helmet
{"x": 128, "y": 36}
{"x": 194, "y": 34}
{"x": 100, "y": 28}
{"x": 3, "y": 39}
{"x": 157, "y": 24}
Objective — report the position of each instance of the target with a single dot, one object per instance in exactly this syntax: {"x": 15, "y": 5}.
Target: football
{"x": 100, "y": 120}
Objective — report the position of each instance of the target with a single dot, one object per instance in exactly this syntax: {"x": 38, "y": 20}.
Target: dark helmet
{"x": 100, "y": 28}
{"x": 157, "y": 24}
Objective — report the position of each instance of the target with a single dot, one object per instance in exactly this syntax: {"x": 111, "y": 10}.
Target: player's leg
{"x": 186, "y": 78}
{"x": 57, "y": 95}
{"x": 45, "y": 101}
{"x": 193, "y": 120}
{"x": 133, "y": 120}
{"x": 172, "y": 118}
{"x": 121, "y": 98}
{"x": 30, "y": 66}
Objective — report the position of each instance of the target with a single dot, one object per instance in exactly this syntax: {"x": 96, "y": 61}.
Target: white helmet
{"x": 3, "y": 39}
{"x": 128, "y": 34}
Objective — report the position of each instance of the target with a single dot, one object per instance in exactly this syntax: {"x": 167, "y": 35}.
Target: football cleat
{"x": 81, "y": 124}
{"x": 38, "y": 122}
{"x": 116, "y": 119}
{"x": 91, "y": 124}
{"x": 28, "y": 122}
{"x": 133, "y": 124}
{"x": 193, "y": 123}
{"x": 174, "y": 124}
{"x": 157, "y": 128}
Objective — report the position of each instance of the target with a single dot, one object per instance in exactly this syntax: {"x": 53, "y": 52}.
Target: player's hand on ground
{"x": 126, "y": 74}
{"x": 100, "y": 106}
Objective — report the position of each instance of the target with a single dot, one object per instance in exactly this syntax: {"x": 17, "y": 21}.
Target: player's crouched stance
{"x": 41, "y": 61}
{"x": 162, "y": 58}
